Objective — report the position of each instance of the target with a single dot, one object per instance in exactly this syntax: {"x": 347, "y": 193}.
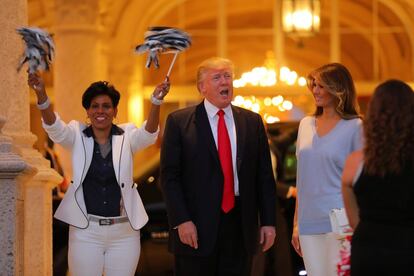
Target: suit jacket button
{"x": 122, "y": 185}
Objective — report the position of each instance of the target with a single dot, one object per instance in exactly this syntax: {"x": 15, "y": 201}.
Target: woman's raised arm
{"x": 43, "y": 101}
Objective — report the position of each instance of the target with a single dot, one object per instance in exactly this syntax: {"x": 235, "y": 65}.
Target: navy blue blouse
{"x": 100, "y": 188}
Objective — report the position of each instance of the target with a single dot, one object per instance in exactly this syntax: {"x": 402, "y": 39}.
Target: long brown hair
{"x": 389, "y": 129}
{"x": 339, "y": 83}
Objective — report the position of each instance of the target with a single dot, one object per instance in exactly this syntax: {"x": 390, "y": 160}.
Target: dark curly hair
{"x": 339, "y": 83}
{"x": 100, "y": 88}
{"x": 389, "y": 129}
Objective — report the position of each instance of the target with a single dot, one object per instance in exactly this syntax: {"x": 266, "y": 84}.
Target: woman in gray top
{"x": 324, "y": 141}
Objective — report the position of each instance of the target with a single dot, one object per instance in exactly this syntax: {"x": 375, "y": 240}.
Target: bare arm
{"x": 350, "y": 170}
{"x": 37, "y": 84}
{"x": 295, "y": 234}
{"x": 154, "y": 115}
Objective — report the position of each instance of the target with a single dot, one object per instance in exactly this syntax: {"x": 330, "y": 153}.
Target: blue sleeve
{"x": 357, "y": 138}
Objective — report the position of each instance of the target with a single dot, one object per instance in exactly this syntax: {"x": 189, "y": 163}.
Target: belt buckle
{"x": 106, "y": 221}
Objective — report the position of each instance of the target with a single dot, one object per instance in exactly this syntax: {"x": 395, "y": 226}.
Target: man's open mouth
{"x": 224, "y": 92}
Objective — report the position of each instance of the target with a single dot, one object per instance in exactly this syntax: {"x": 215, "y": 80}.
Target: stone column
{"x": 13, "y": 87}
{"x": 12, "y": 15}
{"x": 34, "y": 221}
{"x": 11, "y": 208}
{"x": 38, "y": 217}
{"x": 77, "y": 62}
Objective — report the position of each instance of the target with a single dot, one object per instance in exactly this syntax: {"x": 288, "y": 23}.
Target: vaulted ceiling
{"x": 373, "y": 38}
{"x": 376, "y": 36}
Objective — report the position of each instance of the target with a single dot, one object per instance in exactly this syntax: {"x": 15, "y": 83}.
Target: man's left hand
{"x": 267, "y": 237}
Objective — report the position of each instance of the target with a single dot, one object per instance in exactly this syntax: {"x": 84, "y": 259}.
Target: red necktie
{"x": 224, "y": 151}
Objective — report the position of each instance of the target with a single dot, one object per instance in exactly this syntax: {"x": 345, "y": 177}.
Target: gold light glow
{"x": 277, "y": 100}
{"x": 268, "y": 75}
{"x": 287, "y": 105}
{"x": 302, "y": 81}
{"x": 274, "y": 108}
{"x": 301, "y": 17}
{"x": 265, "y": 77}
{"x": 270, "y": 108}
{"x": 136, "y": 109}
{"x": 270, "y": 119}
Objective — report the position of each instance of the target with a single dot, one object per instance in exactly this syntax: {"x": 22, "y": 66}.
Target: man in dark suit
{"x": 217, "y": 180}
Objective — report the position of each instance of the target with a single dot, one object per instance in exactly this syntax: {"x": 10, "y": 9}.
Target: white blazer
{"x": 72, "y": 209}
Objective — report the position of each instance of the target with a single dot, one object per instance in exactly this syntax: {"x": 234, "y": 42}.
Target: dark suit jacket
{"x": 192, "y": 179}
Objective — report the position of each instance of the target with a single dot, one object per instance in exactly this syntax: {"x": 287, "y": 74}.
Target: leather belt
{"x": 107, "y": 221}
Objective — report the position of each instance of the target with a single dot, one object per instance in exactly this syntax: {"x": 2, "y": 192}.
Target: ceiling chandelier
{"x": 270, "y": 108}
{"x": 273, "y": 109}
{"x": 301, "y": 17}
{"x": 269, "y": 75}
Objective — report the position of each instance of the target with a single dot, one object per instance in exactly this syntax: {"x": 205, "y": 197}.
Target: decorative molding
{"x": 33, "y": 188}
{"x": 11, "y": 206}
{"x": 76, "y": 12}
{"x": 45, "y": 174}
{"x": 11, "y": 164}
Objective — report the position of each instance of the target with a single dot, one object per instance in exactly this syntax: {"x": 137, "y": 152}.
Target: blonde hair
{"x": 337, "y": 80}
{"x": 212, "y": 63}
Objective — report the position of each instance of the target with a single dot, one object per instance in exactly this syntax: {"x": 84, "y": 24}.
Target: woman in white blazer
{"x": 102, "y": 206}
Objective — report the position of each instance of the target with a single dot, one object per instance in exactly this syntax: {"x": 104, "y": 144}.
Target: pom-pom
{"x": 163, "y": 40}
{"x": 39, "y": 49}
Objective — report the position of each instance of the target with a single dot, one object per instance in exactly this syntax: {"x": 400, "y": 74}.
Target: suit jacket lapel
{"x": 241, "y": 127}
{"x": 204, "y": 130}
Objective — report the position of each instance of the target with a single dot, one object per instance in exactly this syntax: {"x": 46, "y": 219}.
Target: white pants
{"x": 111, "y": 249}
{"x": 320, "y": 253}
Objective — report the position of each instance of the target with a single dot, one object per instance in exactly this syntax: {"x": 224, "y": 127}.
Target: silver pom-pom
{"x": 163, "y": 40}
{"x": 39, "y": 50}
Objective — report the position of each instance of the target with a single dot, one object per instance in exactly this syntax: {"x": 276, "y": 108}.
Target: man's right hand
{"x": 187, "y": 232}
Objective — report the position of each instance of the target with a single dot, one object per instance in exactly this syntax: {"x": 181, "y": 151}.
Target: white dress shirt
{"x": 231, "y": 129}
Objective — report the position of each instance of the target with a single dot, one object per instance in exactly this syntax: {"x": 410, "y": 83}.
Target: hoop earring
{"x": 88, "y": 121}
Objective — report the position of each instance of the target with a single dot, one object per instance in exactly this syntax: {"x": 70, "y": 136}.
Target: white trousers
{"x": 112, "y": 250}
{"x": 320, "y": 253}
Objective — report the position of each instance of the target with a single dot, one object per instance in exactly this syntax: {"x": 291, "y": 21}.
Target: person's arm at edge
{"x": 352, "y": 164}
{"x": 295, "y": 234}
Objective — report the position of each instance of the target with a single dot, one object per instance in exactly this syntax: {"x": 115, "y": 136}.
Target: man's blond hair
{"x": 212, "y": 63}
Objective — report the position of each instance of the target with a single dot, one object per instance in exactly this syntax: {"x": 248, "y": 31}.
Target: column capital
{"x": 23, "y": 143}
{"x": 11, "y": 164}
{"x": 78, "y": 14}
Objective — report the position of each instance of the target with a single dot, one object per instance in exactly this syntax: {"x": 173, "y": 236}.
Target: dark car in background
{"x": 155, "y": 260}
